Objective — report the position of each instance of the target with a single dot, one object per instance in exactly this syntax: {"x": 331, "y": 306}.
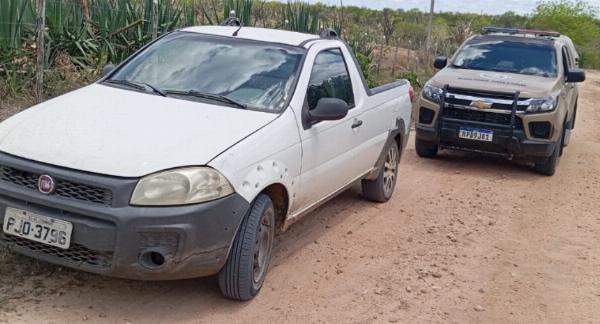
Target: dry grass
{"x": 395, "y": 61}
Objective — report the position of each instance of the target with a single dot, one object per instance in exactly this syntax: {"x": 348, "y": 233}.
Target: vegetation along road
{"x": 465, "y": 239}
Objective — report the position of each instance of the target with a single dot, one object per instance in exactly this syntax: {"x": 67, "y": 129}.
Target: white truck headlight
{"x": 181, "y": 187}
{"x": 432, "y": 93}
{"x": 546, "y": 104}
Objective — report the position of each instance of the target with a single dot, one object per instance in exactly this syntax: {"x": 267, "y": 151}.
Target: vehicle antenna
{"x": 233, "y": 21}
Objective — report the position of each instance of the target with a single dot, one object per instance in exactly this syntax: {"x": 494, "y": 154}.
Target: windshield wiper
{"x": 210, "y": 96}
{"x": 459, "y": 66}
{"x": 137, "y": 85}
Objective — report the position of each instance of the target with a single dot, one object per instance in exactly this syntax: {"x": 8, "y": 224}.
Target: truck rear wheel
{"x": 426, "y": 149}
{"x": 244, "y": 272}
{"x": 382, "y": 188}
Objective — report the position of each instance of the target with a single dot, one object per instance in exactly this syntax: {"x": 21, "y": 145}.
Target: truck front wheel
{"x": 244, "y": 272}
{"x": 549, "y": 166}
{"x": 426, "y": 149}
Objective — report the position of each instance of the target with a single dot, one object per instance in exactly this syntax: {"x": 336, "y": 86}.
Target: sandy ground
{"x": 466, "y": 239}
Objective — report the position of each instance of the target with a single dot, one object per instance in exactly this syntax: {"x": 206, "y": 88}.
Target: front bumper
{"x": 512, "y": 129}
{"x": 504, "y": 143}
{"x": 115, "y": 240}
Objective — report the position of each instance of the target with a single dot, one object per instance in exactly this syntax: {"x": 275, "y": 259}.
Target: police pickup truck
{"x": 507, "y": 92}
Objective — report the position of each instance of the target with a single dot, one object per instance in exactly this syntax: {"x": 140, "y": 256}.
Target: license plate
{"x": 38, "y": 228}
{"x": 476, "y": 134}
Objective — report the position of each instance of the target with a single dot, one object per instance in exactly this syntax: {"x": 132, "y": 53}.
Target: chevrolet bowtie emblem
{"x": 481, "y": 104}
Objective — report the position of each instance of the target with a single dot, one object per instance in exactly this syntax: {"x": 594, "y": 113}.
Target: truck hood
{"x": 106, "y": 130}
{"x": 528, "y": 85}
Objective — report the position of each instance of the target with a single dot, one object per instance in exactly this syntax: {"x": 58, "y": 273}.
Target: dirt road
{"x": 466, "y": 239}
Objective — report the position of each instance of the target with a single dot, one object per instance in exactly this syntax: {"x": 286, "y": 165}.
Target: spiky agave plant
{"x": 211, "y": 9}
{"x": 17, "y": 30}
{"x": 302, "y": 17}
{"x": 115, "y": 29}
{"x": 169, "y": 15}
{"x": 118, "y": 28}
{"x": 188, "y": 14}
{"x": 15, "y": 21}
{"x": 361, "y": 43}
{"x": 242, "y": 8}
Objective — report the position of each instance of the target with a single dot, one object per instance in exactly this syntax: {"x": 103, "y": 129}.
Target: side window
{"x": 567, "y": 60}
{"x": 330, "y": 79}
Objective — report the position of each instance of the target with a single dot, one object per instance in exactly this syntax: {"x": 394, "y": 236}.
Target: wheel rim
{"x": 262, "y": 248}
{"x": 390, "y": 169}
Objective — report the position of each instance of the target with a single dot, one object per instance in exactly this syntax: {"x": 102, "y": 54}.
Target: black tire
{"x": 549, "y": 167}
{"x": 381, "y": 189}
{"x": 426, "y": 149}
{"x": 244, "y": 272}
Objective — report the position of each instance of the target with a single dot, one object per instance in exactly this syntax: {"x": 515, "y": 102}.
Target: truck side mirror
{"x": 575, "y": 76}
{"x": 329, "y": 109}
{"x": 440, "y": 62}
{"x": 107, "y": 69}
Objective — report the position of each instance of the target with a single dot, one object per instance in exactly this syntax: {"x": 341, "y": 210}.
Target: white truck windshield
{"x": 253, "y": 74}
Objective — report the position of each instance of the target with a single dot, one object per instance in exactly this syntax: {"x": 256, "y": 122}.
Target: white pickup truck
{"x": 183, "y": 160}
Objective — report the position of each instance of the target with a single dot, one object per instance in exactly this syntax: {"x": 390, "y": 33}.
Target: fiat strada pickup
{"x": 183, "y": 160}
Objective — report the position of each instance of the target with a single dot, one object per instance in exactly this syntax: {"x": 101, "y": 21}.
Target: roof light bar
{"x": 489, "y": 30}
{"x": 540, "y": 32}
{"x": 514, "y": 31}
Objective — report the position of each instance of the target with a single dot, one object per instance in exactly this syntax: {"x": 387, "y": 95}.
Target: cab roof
{"x": 557, "y": 41}
{"x": 530, "y": 34}
{"x": 257, "y": 34}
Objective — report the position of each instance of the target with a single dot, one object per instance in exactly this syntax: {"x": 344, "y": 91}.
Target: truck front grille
{"x": 483, "y": 117}
{"x": 77, "y": 254}
{"x": 500, "y": 101}
{"x": 64, "y": 188}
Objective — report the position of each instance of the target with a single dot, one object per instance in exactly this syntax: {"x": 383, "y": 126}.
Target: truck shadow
{"x": 479, "y": 164}
{"x": 104, "y": 299}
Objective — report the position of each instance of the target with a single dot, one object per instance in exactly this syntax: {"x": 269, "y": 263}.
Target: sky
{"x": 476, "y": 6}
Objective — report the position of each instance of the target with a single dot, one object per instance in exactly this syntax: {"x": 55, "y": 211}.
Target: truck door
{"x": 570, "y": 88}
{"x": 329, "y": 147}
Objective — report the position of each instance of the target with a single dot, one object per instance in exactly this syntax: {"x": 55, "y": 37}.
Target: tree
{"x": 430, "y": 26}
{"x": 388, "y": 25}
{"x": 412, "y": 34}
{"x": 461, "y": 30}
{"x": 576, "y": 19}
{"x": 85, "y": 9}
{"x": 509, "y": 19}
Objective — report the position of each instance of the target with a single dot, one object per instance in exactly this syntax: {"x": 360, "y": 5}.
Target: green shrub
{"x": 302, "y": 17}
{"x": 589, "y": 58}
{"x": 412, "y": 77}
{"x": 365, "y": 65}
{"x": 576, "y": 19}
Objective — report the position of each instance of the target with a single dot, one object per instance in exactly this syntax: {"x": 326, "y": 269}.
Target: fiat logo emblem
{"x": 46, "y": 184}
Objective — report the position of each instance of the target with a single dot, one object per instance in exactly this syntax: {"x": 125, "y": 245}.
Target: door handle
{"x": 357, "y": 123}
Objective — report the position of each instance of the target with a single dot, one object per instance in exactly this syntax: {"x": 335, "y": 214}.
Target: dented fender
{"x": 264, "y": 158}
